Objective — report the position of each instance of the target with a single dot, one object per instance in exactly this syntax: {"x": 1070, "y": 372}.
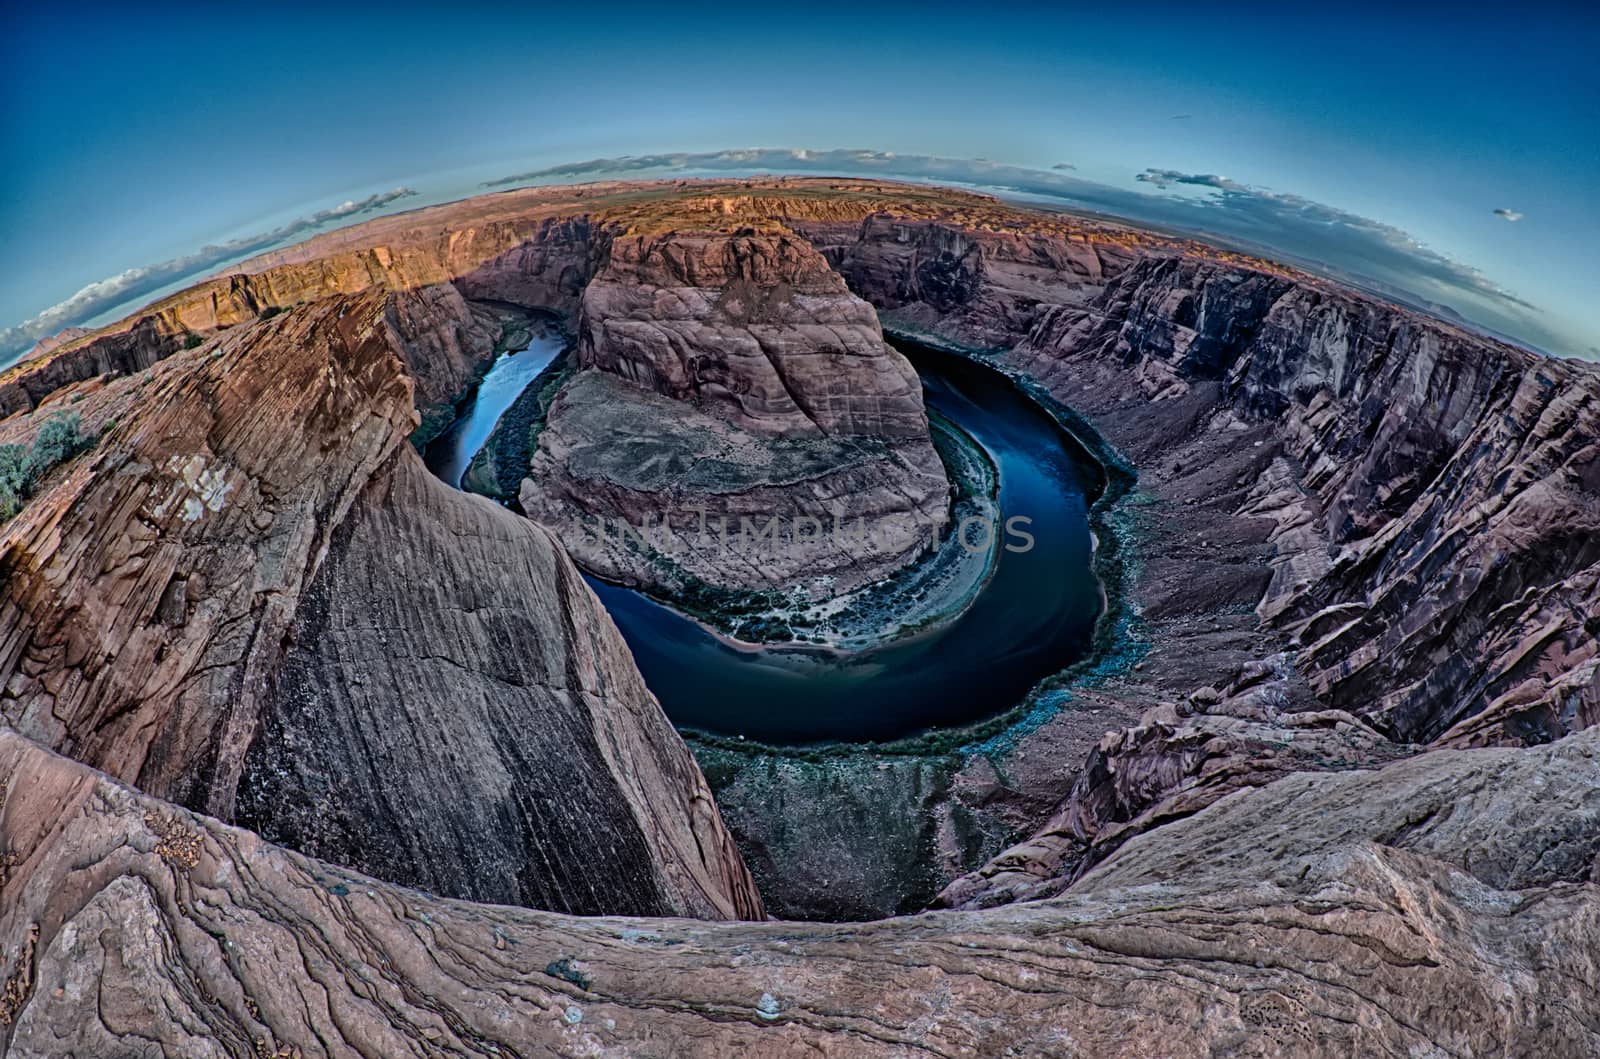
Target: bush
{"x": 13, "y": 479}
{"x": 192, "y": 341}
{"x": 22, "y": 468}
{"x": 60, "y": 439}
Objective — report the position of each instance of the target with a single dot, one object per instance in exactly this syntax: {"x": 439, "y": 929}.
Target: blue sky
{"x": 1373, "y": 137}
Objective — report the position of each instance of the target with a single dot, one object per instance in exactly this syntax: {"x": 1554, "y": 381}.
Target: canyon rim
{"x": 234, "y": 679}
{"x": 1135, "y": 594}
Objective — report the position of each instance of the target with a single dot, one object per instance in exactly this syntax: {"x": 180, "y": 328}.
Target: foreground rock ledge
{"x": 131, "y": 927}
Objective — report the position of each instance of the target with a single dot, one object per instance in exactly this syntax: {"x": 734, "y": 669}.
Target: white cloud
{"x": 1165, "y": 178}
{"x": 106, "y": 294}
{"x": 1286, "y": 227}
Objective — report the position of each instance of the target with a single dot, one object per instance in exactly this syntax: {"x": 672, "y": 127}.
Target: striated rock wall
{"x": 170, "y": 612}
{"x": 981, "y": 286}
{"x": 455, "y": 712}
{"x": 1451, "y": 480}
{"x": 761, "y": 389}
{"x": 146, "y": 595}
{"x": 529, "y": 263}
{"x": 752, "y": 327}
{"x": 1427, "y": 514}
{"x": 1252, "y": 927}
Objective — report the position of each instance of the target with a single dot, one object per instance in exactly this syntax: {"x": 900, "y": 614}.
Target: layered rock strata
{"x": 1373, "y": 913}
{"x": 453, "y": 712}
{"x": 251, "y": 577}
{"x": 739, "y": 407}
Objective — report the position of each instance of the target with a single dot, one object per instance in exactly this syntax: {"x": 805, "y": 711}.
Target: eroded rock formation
{"x": 757, "y": 389}
{"x": 1449, "y": 476}
{"x": 454, "y": 712}
{"x": 1323, "y": 915}
{"x": 251, "y": 568}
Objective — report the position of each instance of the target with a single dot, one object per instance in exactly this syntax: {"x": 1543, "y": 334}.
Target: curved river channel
{"x": 1035, "y": 616}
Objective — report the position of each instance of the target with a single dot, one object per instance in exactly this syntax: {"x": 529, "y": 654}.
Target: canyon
{"x": 1333, "y": 754}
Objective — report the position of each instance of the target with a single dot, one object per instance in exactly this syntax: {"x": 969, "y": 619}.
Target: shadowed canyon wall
{"x": 252, "y": 577}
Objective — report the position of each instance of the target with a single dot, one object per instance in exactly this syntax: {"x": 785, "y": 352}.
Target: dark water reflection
{"x": 1035, "y": 616}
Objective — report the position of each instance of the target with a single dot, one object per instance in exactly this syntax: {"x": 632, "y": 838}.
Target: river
{"x": 1035, "y": 616}
{"x": 450, "y": 454}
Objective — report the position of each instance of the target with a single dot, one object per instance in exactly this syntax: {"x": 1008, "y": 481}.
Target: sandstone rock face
{"x": 761, "y": 389}
{"x": 229, "y": 577}
{"x": 222, "y": 485}
{"x": 980, "y": 286}
{"x": 1164, "y": 769}
{"x": 1449, "y": 476}
{"x": 754, "y": 328}
{"x": 1252, "y": 927}
{"x": 454, "y": 712}
{"x": 529, "y": 261}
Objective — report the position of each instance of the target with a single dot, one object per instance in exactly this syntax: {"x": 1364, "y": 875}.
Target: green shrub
{"x": 192, "y": 341}
{"x": 13, "y": 479}
{"x": 22, "y": 467}
{"x": 60, "y": 439}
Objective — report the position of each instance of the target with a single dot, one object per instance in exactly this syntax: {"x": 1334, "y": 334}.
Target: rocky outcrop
{"x": 753, "y": 327}
{"x": 218, "y": 591}
{"x": 1254, "y": 926}
{"x": 729, "y": 380}
{"x": 454, "y": 712}
{"x": 1174, "y": 762}
{"x": 1450, "y": 477}
{"x": 146, "y": 595}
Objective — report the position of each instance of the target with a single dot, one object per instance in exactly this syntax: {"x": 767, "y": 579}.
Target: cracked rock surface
{"x": 132, "y": 927}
